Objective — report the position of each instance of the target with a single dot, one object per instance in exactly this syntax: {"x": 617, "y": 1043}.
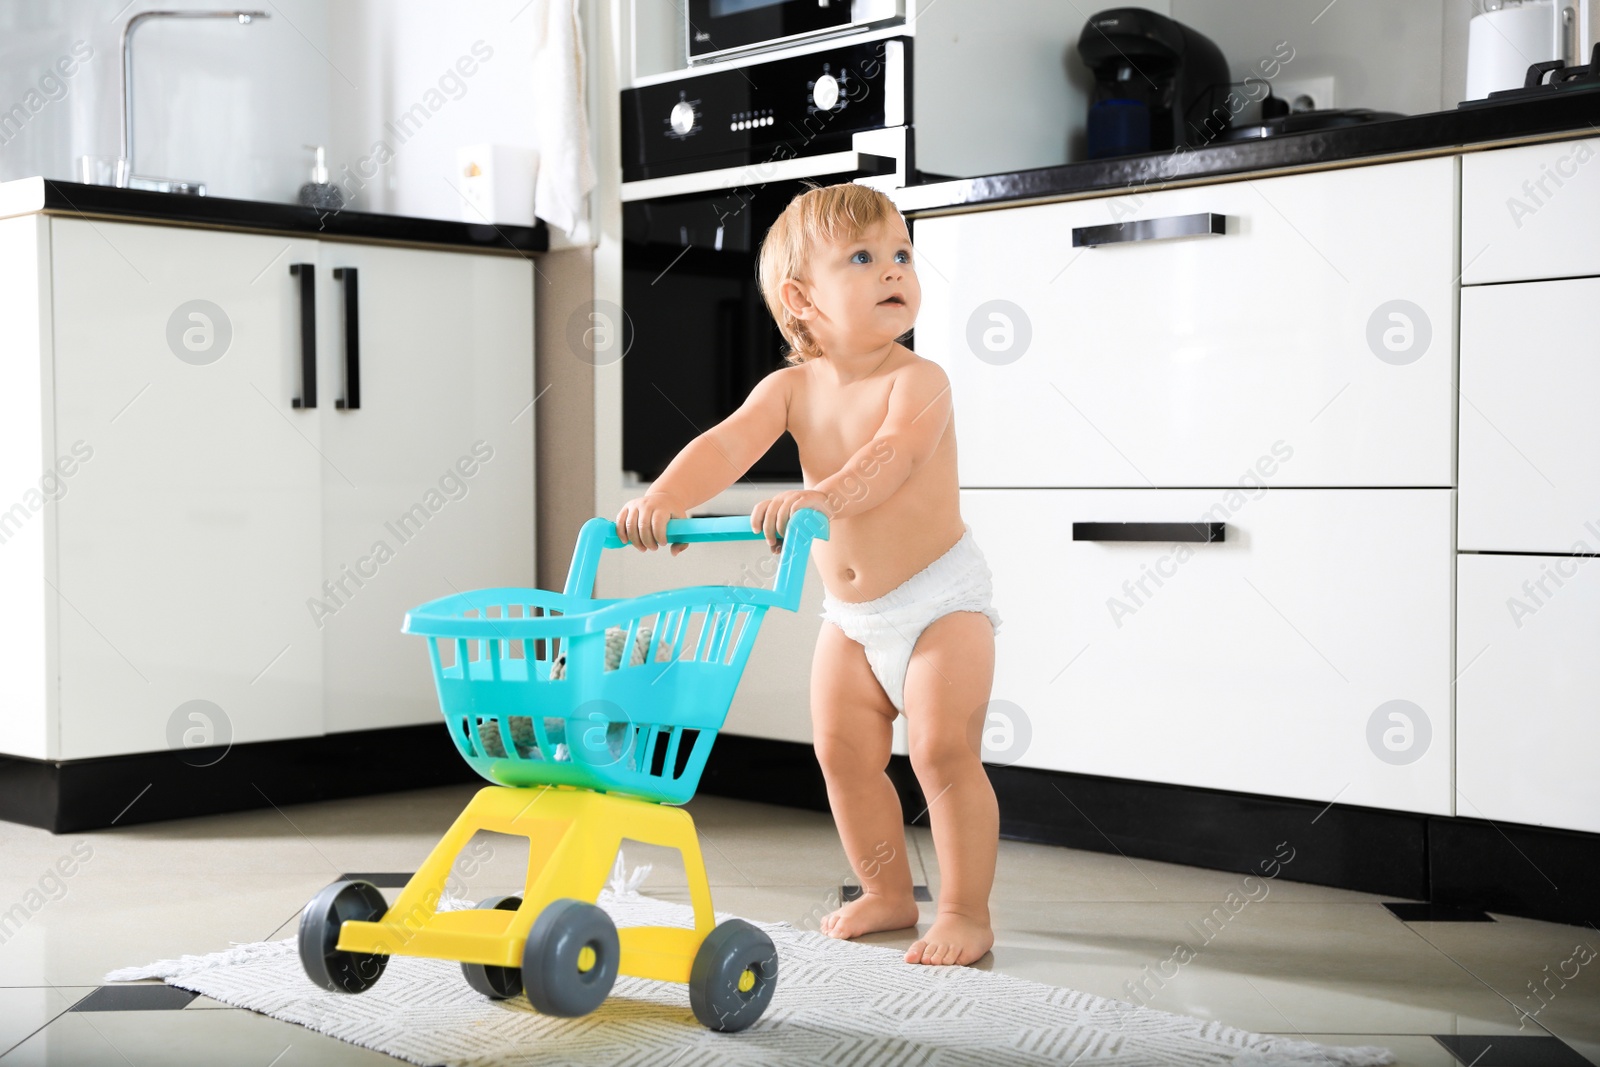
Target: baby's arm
{"x": 919, "y": 411}
{"x": 708, "y": 464}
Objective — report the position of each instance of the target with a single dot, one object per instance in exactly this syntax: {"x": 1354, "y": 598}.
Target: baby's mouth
{"x": 893, "y": 301}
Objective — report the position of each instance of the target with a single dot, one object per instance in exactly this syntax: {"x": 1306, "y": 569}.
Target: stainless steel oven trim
{"x": 896, "y": 84}
{"x": 864, "y": 14}
{"x": 776, "y": 170}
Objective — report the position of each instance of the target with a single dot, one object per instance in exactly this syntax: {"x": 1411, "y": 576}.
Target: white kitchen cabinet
{"x": 1268, "y": 663}
{"x": 216, "y": 539}
{"x": 1528, "y": 212}
{"x": 1530, "y": 417}
{"x": 428, "y": 488}
{"x": 29, "y": 478}
{"x": 1323, "y": 317}
{"x": 189, "y": 539}
{"x": 1528, "y": 696}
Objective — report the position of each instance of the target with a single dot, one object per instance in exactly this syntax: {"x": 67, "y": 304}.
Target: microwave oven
{"x": 718, "y": 29}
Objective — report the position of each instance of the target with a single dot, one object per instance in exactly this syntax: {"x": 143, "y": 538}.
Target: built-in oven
{"x": 721, "y": 28}
{"x": 709, "y": 162}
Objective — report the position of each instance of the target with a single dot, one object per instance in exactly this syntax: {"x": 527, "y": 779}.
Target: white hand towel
{"x": 566, "y": 171}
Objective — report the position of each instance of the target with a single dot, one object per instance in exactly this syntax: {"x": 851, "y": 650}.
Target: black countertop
{"x": 28, "y": 195}
{"x": 1572, "y": 113}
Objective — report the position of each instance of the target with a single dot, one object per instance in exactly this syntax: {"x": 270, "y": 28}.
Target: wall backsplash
{"x": 232, "y": 105}
{"x": 1390, "y": 55}
{"x": 376, "y": 81}
{"x": 217, "y": 102}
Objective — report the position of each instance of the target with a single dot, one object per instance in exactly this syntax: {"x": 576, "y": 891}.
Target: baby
{"x": 907, "y": 590}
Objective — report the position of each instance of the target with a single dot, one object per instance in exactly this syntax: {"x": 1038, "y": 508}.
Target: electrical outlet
{"x": 1306, "y": 94}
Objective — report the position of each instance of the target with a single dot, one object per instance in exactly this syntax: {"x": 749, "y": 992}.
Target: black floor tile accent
{"x": 1410, "y": 912}
{"x": 1518, "y": 1050}
{"x": 161, "y": 997}
{"x": 381, "y": 879}
{"x": 848, "y": 893}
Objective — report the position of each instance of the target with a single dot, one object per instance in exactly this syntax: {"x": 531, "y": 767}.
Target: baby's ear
{"x": 794, "y": 297}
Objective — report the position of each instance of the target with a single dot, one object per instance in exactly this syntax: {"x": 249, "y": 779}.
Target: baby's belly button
{"x": 849, "y": 574}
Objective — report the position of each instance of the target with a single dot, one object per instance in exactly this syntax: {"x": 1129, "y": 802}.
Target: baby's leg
{"x": 947, "y": 690}
{"x": 852, "y": 718}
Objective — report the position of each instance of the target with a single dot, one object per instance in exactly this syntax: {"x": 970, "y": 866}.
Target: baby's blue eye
{"x": 900, "y": 257}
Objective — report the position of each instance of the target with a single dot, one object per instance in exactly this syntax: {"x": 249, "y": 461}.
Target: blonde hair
{"x": 821, "y": 214}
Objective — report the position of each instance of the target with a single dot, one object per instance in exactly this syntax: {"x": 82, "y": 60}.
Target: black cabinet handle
{"x": 307, "y": 273}
{"x": 1205, "y": 224}
{"x": 1195, "y": 532}
{"x": 352, "y": 340}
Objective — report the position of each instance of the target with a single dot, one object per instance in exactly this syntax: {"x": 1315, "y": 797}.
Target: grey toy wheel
{"x": 496, "y": 983}
{"x": 733, "y": 976}
{"x": 569, "y": 962}
{"x": 326, "y": 965}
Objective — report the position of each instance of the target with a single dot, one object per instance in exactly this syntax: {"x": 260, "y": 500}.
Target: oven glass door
{"x": 726, "y": 25}
{"x": 701, "y": 336}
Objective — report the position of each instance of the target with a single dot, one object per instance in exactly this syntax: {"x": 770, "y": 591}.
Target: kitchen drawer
{"x": 1528, "y": 696}
{"x": 1530, "y": 417}
{"x": 1531, "y": 212}
{"x": 1324, "y": 319}
{"x": 1271, "y": 662}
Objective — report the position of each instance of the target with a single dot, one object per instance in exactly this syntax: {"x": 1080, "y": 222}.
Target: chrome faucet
{"x": 126, "y": 178}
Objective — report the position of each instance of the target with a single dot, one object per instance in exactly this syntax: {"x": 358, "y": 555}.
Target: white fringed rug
{"x": 836, "y": 1003}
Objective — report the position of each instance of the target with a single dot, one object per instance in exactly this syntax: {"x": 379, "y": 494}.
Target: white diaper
{"x": 887, "y": 628}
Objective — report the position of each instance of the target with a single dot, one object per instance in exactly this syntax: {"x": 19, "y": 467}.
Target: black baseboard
{"x": 1471, "y": 863}
{"x": 91, "y": 794}
{"x": 1515, "y": 870}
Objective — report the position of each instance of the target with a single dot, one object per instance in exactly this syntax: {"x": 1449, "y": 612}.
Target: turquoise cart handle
{"x": 804, "y": 526}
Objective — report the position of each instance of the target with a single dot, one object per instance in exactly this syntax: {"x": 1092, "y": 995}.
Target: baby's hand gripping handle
{"x": 804, "y": 525}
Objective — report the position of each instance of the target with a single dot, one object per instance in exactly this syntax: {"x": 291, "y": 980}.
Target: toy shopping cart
{"x": 592, "y": 716}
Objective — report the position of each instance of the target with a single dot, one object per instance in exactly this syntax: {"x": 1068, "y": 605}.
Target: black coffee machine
{"x": 1157, "y": 84}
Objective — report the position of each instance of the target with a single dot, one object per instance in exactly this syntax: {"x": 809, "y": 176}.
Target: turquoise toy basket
{"x": 531, "y": 696}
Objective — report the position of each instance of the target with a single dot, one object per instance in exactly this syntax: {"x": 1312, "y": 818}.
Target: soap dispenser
{"x": 319, "y": 192}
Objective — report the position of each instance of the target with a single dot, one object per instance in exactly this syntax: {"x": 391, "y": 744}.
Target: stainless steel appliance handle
{"x": 1205, "y": 224}
{"x": 755, "y": 174}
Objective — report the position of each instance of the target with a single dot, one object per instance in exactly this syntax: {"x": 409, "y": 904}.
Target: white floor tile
{"x": 1330, "y": 964}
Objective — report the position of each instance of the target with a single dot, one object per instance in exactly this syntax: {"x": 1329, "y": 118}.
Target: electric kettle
{"x": 1509, "y": 35}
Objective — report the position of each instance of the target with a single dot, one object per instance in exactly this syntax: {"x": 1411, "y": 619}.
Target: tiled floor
{"x": 1325, "y": 964}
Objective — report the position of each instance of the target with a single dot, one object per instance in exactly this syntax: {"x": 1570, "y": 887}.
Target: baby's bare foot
{"x": 869, "y": 913}
{"x": 952, "y": 939}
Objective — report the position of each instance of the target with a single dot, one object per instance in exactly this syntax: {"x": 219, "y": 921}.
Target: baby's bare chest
{"x": 830, "y": 425}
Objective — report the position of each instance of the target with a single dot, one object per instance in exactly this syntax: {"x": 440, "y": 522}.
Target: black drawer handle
{"x": 307, "y": 273}
{"x": 1205, "y": 224}
{"x": 1204, "y": 533}
{"x": 352, "y": 341}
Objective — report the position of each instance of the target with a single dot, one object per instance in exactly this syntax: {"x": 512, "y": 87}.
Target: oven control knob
{"x": 682, "y": 117}
{"x": 825, "y": 92}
